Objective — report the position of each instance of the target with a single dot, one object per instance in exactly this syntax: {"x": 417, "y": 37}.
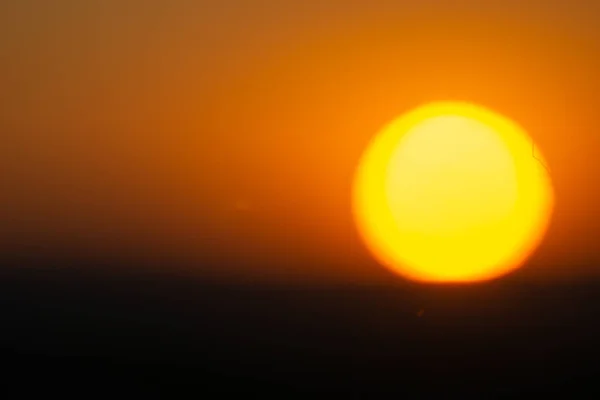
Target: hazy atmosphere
{"x": 222, "y": 136}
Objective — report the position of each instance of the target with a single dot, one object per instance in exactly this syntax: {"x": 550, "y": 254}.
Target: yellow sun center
{"x": 452, "y": 192}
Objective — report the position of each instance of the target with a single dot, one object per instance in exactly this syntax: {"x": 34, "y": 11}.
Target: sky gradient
{"x": 224, "y": 135}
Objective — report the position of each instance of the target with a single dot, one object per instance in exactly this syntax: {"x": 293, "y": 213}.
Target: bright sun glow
{"x": 451, "y": 192}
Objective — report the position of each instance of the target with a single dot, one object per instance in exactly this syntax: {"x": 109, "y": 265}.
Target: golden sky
{"x": 226, "y": 133}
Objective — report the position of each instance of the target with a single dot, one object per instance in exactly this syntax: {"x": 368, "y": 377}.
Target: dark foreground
{"x": 85, "y": 334}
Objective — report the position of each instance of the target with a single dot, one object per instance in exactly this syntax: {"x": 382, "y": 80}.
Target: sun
{"x": 452, "y": 192}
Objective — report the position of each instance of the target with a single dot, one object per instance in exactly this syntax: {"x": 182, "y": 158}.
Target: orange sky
{"x": 229, "y": 130}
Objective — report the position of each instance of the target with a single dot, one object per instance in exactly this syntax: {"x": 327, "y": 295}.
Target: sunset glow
{"x": 451, "y": 192}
